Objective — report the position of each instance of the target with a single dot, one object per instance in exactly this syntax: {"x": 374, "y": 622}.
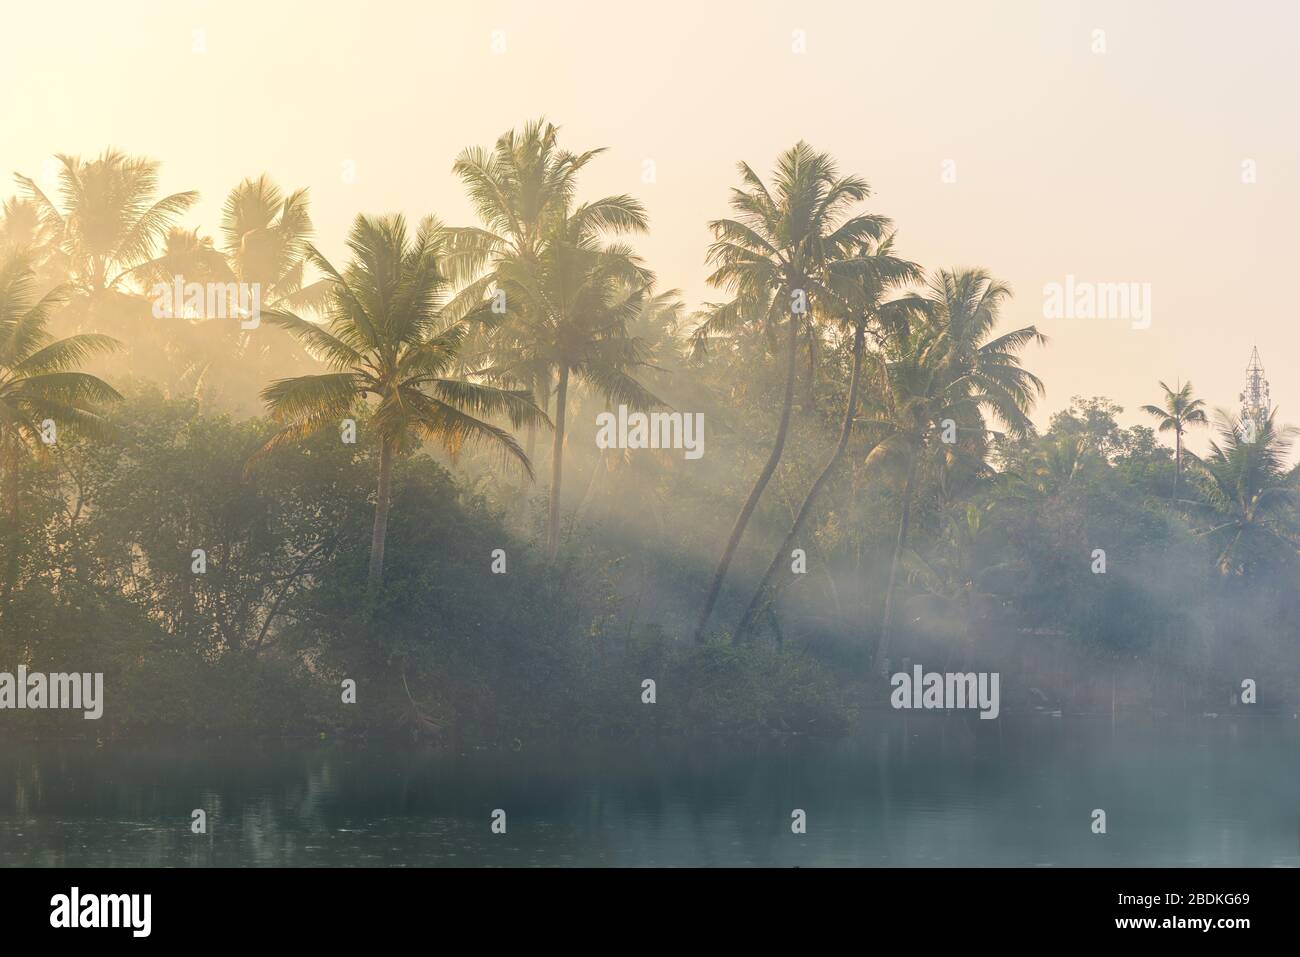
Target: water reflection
{"x": 914, "y": 791}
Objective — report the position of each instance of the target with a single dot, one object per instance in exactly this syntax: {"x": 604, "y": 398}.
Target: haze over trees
{"x": 466, "y": 551}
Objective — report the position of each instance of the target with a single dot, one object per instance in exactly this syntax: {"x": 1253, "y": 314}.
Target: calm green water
{"x": 911, "y": 792}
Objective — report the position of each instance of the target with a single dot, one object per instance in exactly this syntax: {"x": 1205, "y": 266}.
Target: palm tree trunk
{"x": 1178, "y": 460}
{"x": 886, "y": 625}
{"x": 543, "y": 399}
{"x": 557, "y": 466}
{"x": 764, "y": 477}
{"x": 379, "y": 534}
{"x": 10, "y": 449}
{"x": 767, "y": 588}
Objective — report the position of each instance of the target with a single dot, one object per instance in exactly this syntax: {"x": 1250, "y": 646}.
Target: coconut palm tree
{"x": 616, "y": 473}
{"x": 386, "y": 342}
{"x": 522, "y": 186}
{"x": 1180, "y": 410}
{"x": 578, "y": 298}
{"x": 943, "y": 376}
{"x": 525, "y": 183}
{"x": 1247, "y": 493}
{"x": 861, "y": 285}
{"x": 557, "y": 296}
{"x": 1061, "y": 461}
{"x": 265, "y": 236}
{"x": 773, "y": 256}
{"x": 24, "y": 229}
{"x": 186, "y": 348}
{"x": 41, "y": 392}
{"x": 110, "y": 224}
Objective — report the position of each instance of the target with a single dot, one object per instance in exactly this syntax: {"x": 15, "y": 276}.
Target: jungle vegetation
{"x": 393, "y": 477}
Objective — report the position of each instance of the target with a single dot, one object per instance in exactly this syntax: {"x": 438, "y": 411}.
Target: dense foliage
{"x": 870, "y": 422}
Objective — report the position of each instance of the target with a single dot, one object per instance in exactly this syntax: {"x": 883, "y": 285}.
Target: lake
{"x": 906, "y": 791}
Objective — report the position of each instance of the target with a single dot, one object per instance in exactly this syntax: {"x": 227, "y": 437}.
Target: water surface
{"x": 912, "y": 791}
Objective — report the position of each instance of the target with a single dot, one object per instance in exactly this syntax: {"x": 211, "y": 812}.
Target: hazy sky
{"x": 1122, "y": 166}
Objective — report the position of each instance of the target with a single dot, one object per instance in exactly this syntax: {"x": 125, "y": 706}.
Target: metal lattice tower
{"x": 1255, "y": 403}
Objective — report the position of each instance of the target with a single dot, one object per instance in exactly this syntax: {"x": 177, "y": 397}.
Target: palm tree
{"x": 520, "y": 188}
{"x": 110, "y": 223}
{"x": 385, "y": 340}
{"x": 641, "y": 474}
{"x": 578, "y": 298}
{"x": 1060, "y": 461}
{"x": 187, "y": 349}
{"x": 568, "y": 295}
{"x": 39, "y": 384}
{"x": 774, "y": 256}
{"x": 1180, "y": 410}
{"x": 24, "y": 229}
{"x": 862, "y": 284}
{"x": 522, "y": 185}
{"x": 943, "y": 374}
{"x": 265, "y": 236}
{"x": 1247, "y": 492}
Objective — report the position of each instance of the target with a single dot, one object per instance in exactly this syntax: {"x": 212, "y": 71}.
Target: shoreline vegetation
{"x": 386, "y": 506}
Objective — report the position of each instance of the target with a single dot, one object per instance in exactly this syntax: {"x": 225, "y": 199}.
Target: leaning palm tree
{"x": 387, "y": 343}
{"x": 861, "y": 286}
{"x": 943, "y": 376}
{"x": 1179, "y": 411}
{"x": 774, "y": 256}
{"x": 567, "y": 295}
{"x": 1247, "y": 493}
{"x": 41, "y": 392}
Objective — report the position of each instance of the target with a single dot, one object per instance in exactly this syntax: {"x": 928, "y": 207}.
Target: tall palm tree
{"x": 569, "y": 294}
{"x": 861, "y": 285}
{"x": 39, "y": 384}
{"x": 521, "y": 187}
{"x": 773, "y": 255}
{"x": 578, "y": 298}
{"x": 1247, "y": 492}
{"x": 1180, "y": 410}
{"x": 525, "y": 183}
{"x": 265, "y": 236}
{"x": 386, "y": 342}
{"x": 946, "y": 368}
{"x": 110, "y": 224}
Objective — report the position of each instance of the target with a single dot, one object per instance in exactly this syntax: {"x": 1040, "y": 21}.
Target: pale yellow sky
{"x": 1112, "y": 167}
